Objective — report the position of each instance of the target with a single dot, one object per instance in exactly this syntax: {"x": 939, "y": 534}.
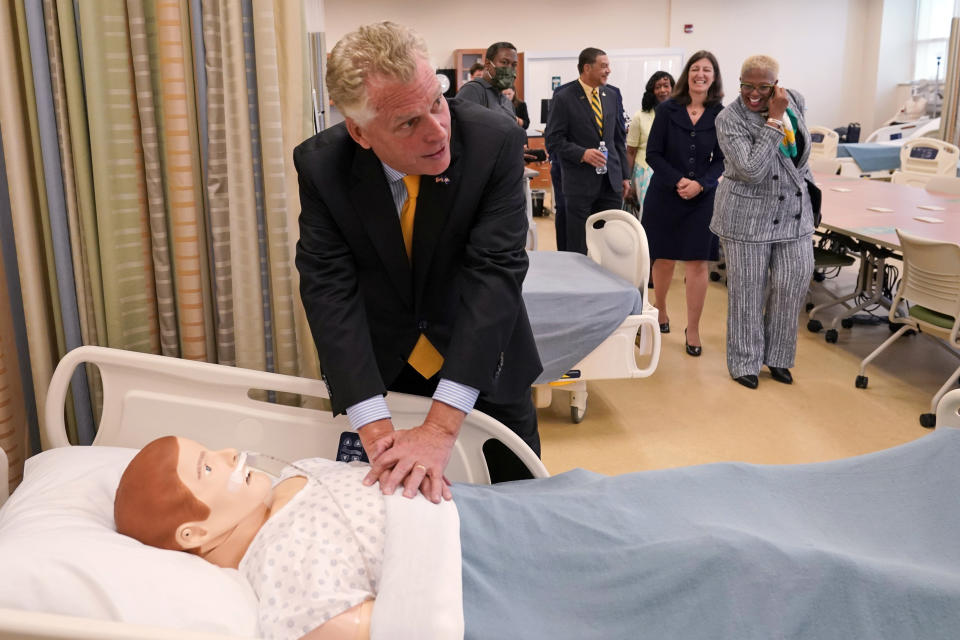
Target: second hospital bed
{"x": 591, "y": 316}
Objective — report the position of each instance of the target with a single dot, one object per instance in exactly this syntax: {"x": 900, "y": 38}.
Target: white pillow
{"x": 60, "y": 553}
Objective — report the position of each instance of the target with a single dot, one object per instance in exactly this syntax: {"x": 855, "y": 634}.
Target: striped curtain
{"x": 151, "y": 142}
{"x": 13, "y": 404}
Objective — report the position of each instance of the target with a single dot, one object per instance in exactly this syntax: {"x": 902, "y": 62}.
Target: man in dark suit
{"x": 432, "y": 308}
{"x": 582, "y": 114}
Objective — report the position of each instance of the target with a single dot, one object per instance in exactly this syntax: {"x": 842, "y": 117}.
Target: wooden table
{"x": 846, "y": 208}
{"x": 848, "y": 212}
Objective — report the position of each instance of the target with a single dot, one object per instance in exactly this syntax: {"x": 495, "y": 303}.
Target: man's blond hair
{"x": 385, "y": 49}
{"x": 760, "y": 63}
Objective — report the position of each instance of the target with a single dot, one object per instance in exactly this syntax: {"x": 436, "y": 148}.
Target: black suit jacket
{"x": 571, "y": 130}
{"x": 367, "y": 305}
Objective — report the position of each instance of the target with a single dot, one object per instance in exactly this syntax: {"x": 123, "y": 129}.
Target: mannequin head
{"x": 176, "y": 494}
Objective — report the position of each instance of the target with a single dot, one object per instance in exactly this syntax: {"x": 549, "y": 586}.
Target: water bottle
{"x": 606, "y": 154}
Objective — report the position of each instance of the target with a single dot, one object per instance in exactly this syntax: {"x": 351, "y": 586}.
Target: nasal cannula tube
{"x": 259, "y": 461}
{"x": 238, "y": 475}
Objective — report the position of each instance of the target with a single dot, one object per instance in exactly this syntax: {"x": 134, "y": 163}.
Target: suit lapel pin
{"x": 443, "y": 179}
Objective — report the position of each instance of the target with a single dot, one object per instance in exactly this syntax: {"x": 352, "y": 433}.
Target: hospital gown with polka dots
{"x": 321, "y": 553}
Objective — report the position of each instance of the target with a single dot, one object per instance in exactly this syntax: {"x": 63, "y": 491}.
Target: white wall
{"x": 866, "y": 105}
{"x": 818, "y": 44}
{"x": 845, "y": 56}
{"x": 894, "y": 56}
{"x": 449, "y": 24}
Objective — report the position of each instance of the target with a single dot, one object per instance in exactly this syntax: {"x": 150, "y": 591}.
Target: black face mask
{"x": 503, "y": 77}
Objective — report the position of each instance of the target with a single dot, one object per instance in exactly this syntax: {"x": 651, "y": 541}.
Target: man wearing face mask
{"x": 499, "y": 72}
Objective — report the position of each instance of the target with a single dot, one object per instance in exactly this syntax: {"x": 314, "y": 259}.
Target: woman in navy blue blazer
{"x": 682, "y": 151}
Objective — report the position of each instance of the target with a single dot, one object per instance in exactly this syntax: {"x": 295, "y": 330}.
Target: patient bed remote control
{"x": 351, "y": 449}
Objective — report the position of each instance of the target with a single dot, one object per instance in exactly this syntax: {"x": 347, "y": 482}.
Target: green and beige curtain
{"x": 151, "y": 195}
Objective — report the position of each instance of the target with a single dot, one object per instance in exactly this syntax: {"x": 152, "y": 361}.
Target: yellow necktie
{"x": 597, "y": 110}
{"x": 425, "y": 359}
{"x": 409, "y": 211}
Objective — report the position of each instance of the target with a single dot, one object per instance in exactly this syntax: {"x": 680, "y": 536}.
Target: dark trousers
{"x": 559, "y": 205}
{"x": 519, "y": 416}
{"x": 579, "y": 208}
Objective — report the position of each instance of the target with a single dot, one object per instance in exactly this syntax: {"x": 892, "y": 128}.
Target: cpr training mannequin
{"x": 175, "y": 494}
{"x": 859, "y": 548}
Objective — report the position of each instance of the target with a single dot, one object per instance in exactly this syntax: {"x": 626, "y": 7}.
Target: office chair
{"x": 830, "y": 166}
{"x": 824, "y": 142}
{"x": 911, "y": 178}
{"x": 944, "y": 184}
{"x": 831, "y": 252}
{"x": 930, "y": 287}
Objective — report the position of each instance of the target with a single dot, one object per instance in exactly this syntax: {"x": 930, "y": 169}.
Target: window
{"x": 933, "y": 32}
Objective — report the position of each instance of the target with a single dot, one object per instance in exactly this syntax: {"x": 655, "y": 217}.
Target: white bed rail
{"x": 35, "y": 625}
{"x": 148, "y": 396}
{"x": 948, "y": 410}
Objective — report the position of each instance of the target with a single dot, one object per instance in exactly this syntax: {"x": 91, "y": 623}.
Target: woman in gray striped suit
{"x": 763, "y": 216}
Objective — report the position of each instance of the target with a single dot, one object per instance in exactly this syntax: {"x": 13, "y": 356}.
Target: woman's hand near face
{"x": 778, "y": 103}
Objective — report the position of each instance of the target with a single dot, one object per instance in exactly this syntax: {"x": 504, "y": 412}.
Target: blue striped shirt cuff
{"x": 367, "y": 411}
{"x": 458, "y": 396}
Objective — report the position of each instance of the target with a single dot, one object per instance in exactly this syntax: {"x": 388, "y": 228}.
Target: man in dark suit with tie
{"x": 411, "y": 258}
{"x": 582, "y": 114}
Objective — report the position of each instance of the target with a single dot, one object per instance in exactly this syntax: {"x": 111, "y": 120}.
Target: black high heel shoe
{"x": 781, "y": 374}
{"x": 749, "y": 381}
{"x": 691, "y": 350}
{"x": 665, "y": 327}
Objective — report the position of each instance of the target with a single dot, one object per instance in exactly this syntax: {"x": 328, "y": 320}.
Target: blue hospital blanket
{"x": 863, "y": 548}
{"x": 573, "y": 304}
{"x": 871, "y": 156}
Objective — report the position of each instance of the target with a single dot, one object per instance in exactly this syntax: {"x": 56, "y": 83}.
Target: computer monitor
{"x": 544, "y": 109}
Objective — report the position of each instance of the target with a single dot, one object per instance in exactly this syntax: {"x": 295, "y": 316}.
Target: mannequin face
{"x": 206, "y": 474}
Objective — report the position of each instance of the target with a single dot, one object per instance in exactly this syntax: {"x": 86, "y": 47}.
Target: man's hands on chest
{"x": 415, "y": 458}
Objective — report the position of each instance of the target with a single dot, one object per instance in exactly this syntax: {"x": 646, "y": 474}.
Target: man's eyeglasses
{"x": 762, "y": 89}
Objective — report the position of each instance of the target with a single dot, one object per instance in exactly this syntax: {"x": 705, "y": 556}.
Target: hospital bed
{"x": 879, "y": 155}
{"x": 903, "y": 130}
{"x": 56, "y": 531}
{"x": 569, "y": 297}
{"x": 69, "y": 595}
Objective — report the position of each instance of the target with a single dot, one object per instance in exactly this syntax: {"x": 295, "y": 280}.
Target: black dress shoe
{"x": 781, "y": 374}
{"x": 749, "y": 381}
{"x": 665, "y": 327}
{"x": 691, "y": 350}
